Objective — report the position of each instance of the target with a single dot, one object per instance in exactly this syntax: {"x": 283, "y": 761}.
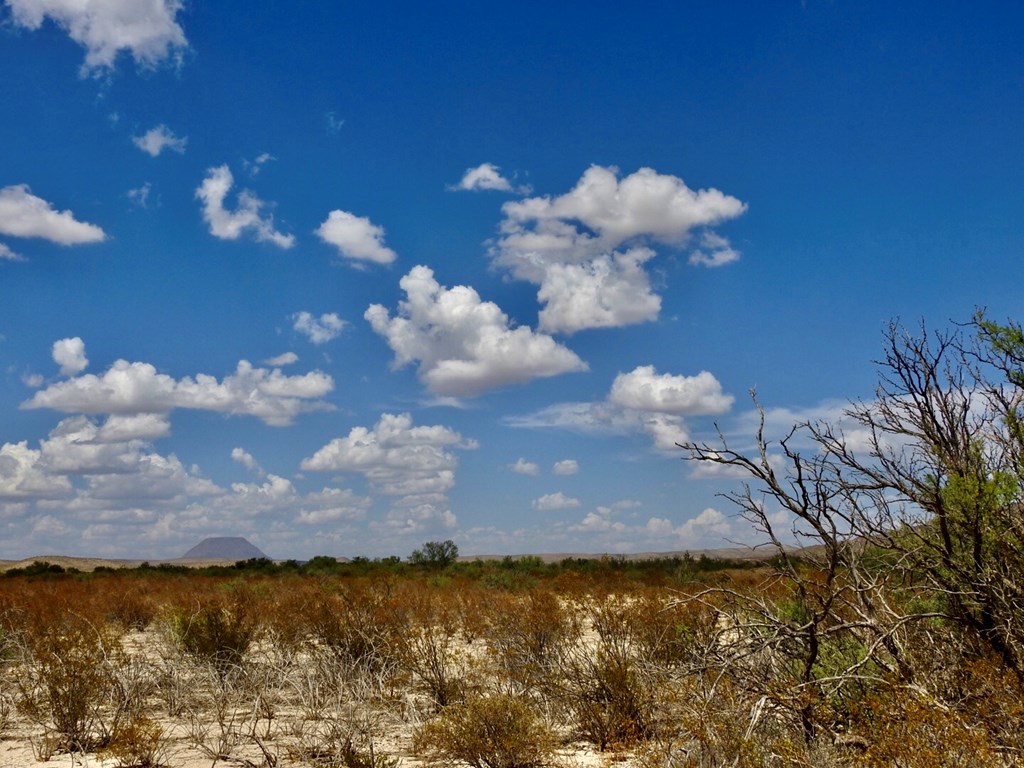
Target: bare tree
{"x": 911, "y": 509}
{"x": 771, "y": 639}
{"x": 942, "y": 462}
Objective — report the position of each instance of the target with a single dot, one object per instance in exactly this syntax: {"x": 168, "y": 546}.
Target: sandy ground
{"x": 267, "y": 719}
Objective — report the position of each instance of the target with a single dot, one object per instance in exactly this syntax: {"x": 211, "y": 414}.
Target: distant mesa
{"x": 224, "y": 548}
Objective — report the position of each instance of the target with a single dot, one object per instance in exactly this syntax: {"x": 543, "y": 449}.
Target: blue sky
{"x": 344, "y": 278}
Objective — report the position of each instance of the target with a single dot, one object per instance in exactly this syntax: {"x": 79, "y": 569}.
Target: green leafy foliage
{"x": 435, "y": 554}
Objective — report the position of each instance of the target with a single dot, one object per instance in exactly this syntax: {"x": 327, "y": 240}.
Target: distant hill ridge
{"x": 224, "y": 548}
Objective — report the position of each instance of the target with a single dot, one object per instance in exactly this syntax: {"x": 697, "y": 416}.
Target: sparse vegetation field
{"x": 502, "y": 664}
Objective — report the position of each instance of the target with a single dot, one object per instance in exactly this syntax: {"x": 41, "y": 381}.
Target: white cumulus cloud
{"x": 22, "y": 214}
{"x": 417, "y": 519}
{"x": 606, "y": 291}
{"x": 397, "y": 458}
{"x": 147, "y": 29}
{"x": 644, "y": 389}
{"x": 137, "y": 388}
{"x": 287, "y": 358}
{"x": 524, "y": 467}
{"x": 566, "y": 467}
{"x": 666, "y": 430}
{"x": 570, "y": 245}
{"x": 644, "y": 204}
{"x": 69, "y": 354}
{"x": 114, "y": 491}
{"x": 119, "y": 428}
{"x": 156, "y": 140}
{"x": 76, "y": 447}
{"x": 23, "y": 477}
{"x": 230, "y": 225}
{"x": 600, "y": 521}
{"x": 552, "y": 501}
{"x": 486, "y": 176}
{"x": 715, "y": 251}
{"x": 709, "y": 521}
{"x": 318, "y": 330}
{"x": 246, "y": 459}
{"x": 641, "y": 401}
{"x": 356, "y": 238}
{"x": 464, "y": 346}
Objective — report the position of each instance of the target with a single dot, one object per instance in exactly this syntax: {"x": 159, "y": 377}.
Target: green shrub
{"x": 435, "y": 554}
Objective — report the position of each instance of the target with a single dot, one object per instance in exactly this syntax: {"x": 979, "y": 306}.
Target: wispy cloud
{"x": 156, "y": 140}
{"x": 247, "y": 217}
{"x": 319, "y": 330}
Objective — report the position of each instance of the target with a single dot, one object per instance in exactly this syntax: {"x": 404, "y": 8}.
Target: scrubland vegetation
{"x": 494, "y": 665}
{"x": 893, "y": 638}
{"x": 491, "y": 664}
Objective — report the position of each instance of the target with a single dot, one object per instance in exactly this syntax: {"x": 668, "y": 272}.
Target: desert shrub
{"x": 287, "y": 613}
{"x": 990, "y": 695}
{"x": 344, "y": 754}
{"x": 133, "y": 608}
{"x": 6, "y": 710}
{"x": 361, "y": 623}
{"x": 138, "y": 743}
{"x": 907, "y": 730}
{"x": 672, "y": 631}
{"x": 219, "y": 628}
{"x": 487, "y": 732}
{"x": 341, "y": 741}
{"x": 714, "y": 724}
{"x": 341, "y": 715}
{"x": 607, "y": 697}
{"x": 600, "y": 682}
{"x": 429, "y": 650}
{"x": 525, "y": 633}
{"x": 973, "y": 697}
{"x": 64, "y": 681}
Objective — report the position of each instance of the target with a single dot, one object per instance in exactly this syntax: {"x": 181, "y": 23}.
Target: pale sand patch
{"x": 235, "y": 725}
